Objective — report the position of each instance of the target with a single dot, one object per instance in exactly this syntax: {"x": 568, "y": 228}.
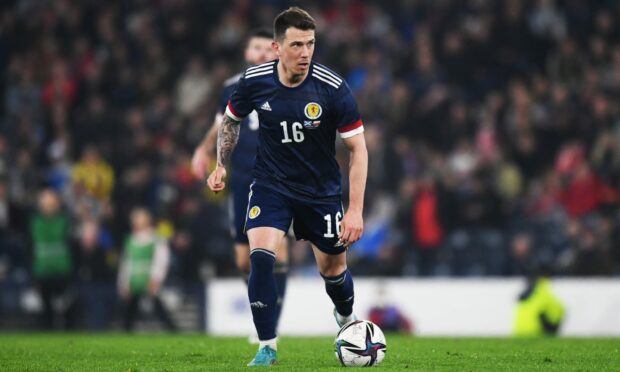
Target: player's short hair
{"x": 292, "y": 17}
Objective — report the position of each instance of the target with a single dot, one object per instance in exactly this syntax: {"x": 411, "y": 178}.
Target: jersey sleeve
{"x": 239, "y": 105}
{"x": 224, "y": 98}
{"x": 348, "y": 120}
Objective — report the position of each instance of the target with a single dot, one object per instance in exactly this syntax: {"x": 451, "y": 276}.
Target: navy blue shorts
{"x": 238, "y": 208}
{"x": 317, "y": 222}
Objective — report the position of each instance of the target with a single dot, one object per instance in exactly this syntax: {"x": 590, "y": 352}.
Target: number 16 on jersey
{"x": 296, "y": 128}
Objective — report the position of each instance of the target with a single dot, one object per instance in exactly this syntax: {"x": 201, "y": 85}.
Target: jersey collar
{"x": 277, "y": 77}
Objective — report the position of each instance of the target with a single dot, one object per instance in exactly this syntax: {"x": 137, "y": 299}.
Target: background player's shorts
{"x": 237, "y": 208}
{"x": 317, "y": 222}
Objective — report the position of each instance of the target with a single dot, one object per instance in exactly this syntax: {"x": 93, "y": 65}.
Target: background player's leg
{"x": 238, "y": 208}
{"x": 262, "y": 290}
{"x": 280, "y": 273}
{"x": 242, "y": 260}
{"x": 338, "y": 282}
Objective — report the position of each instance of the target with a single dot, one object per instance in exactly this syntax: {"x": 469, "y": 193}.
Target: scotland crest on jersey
{"x": 312, "y": 111}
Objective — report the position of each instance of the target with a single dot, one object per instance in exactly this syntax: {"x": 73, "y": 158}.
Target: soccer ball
{"x": 360, "y": 343}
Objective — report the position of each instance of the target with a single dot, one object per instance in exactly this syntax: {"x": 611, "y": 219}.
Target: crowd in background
{"x": 493, "y": 130}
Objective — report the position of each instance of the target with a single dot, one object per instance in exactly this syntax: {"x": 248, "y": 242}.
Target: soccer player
{"x": 258, "y": 50}
{"x": 301, "y": 105}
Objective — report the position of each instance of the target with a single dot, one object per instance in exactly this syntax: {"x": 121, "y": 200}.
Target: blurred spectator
{"x": 93, "y": 175}
{"x": 96, "y": 260}
{"x": 192, "y": 88}
{"x": 143, "y": 269}
{"x": 52, "y": 261}
{"x": 513, "y": 112}
{"x": 591, "y": 248}
{"x": 521, "y": 258}
{"x": 14, "y": 230}
{"x": 426, "y": 225}
{"x": 61, "y": 88}
{"x": 539, "y": 312}
{"x": 583, "y": 192}
{"x": 387, "y": 316}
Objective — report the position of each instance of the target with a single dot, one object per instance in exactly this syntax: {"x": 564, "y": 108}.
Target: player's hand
{"x": 216, "y": 179}
{"x": 200, "y": 163}
{"x": 351, "y": 227}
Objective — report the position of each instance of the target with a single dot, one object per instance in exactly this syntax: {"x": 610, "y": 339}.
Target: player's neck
{"x": 290, "y": 79}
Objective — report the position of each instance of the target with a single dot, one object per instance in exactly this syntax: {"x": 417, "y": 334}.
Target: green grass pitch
{"x": 157, "y": 352}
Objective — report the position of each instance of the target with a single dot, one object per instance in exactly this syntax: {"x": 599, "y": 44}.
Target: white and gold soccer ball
{"x": 360, "y": 343}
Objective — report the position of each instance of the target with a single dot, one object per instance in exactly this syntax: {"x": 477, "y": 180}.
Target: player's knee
{"x": 332, "y": 270}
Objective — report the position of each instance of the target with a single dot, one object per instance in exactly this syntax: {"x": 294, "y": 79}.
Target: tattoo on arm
{"x": 227, "y": 137}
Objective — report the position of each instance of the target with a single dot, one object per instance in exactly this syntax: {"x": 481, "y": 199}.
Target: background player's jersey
{"x": 296, "y": 153}
{"x": 242, "y": 159}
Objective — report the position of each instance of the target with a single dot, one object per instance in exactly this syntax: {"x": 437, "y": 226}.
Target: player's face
{"x": 259, "y": 50}
{"x": 296, "y": 50}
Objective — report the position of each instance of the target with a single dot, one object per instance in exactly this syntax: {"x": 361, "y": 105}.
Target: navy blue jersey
{"x": 242, "y": 159}
{"x": 297, "y": 133}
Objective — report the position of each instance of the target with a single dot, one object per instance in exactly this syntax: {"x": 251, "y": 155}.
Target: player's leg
{"x": 238, "y": 210}
{"x": 238, "y": 207}
{"x": 280, "y": 272}
{"x": 242, "y": 260}
{"x": 262, "y": 291}
{"x": 320, "y": 224}
{"x": 262, "y": 287}
{"x": 338, "y": 283}
{"x": 268, "y": 218}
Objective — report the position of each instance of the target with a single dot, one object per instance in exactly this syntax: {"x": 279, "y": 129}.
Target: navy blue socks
{"x": 340, "y": 290}
{"x": 262, "y": 292}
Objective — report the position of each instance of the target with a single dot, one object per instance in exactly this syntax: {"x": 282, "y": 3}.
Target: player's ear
{"x": 276, "y": 47}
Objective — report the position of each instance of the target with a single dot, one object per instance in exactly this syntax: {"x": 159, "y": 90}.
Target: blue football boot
{"x": 265, "y": 356}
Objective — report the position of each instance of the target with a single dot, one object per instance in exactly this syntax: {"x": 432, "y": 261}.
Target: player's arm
{"x": 239, "y": 106}
{"x": 227, "y": 137}
{"x": 206, "y": 151}
{"x": 352, "y": 224}
{"x": 351, "y": 129}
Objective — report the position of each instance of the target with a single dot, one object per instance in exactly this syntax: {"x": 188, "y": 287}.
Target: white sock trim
{"x": 271, "y": 343}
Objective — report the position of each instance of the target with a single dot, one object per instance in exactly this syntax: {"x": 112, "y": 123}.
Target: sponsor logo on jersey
{"x": 266, "y": 106}
{"x": 311, "y": 124}
{"x": 254, "y": 212}
{"x": 339, "y": 243}
{"x": 313, "y": 110}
